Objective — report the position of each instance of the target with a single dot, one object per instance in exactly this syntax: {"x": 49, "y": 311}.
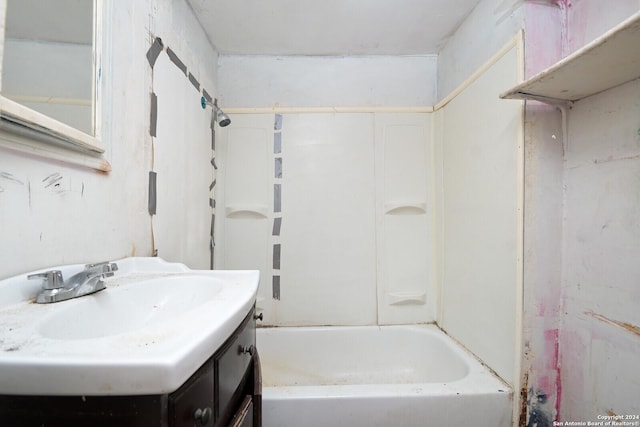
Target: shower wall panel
{"x": 244, "y": 199}
{"x": 328, "y": 220}
{"x": 404, "y": 238}
{"x": 347, "y": 241}
{"x": 481, "y": 219}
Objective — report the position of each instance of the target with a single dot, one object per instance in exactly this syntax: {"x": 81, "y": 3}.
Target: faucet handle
{"x": 105, "y": 269}
{"x": 52, "y": 279}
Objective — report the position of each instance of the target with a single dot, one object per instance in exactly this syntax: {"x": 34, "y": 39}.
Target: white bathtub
{"x": 367, "y": 376}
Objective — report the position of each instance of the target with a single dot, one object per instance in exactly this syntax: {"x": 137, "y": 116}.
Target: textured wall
{"x": 54, "y": 213}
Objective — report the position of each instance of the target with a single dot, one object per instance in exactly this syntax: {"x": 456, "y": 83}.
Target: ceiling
{"x": 330, "y": 27}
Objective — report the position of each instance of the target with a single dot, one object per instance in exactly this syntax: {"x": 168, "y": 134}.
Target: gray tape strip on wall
{"x": 278, "y": 167}
{"x": 277, "y": 225}
{"x": 206, "y": 95}
{"x": 153, "y": 119}
{"x": 174, "y": 58}
{"x": 277, "y": 197}
{"x": 152, "y": 193}
{"x": 194, "y": 81}
{"x": 276, "y": 257}
{"x": 277, "y": 143}
{"x": 277, "y": 123}
{"x": 154, "y": 51}
{"x": 275, "y": 285}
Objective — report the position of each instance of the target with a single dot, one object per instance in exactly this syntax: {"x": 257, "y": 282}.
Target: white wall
{"x": 298, "y": 81}
{"x": 599, "y": 343}
{"x": 588, "y": 19}
{"x": 52, "y": 213}
{"x": 486, "y": 30}
{"x": 599, "y": 339}
{"x": 182, "y": 154}
{"x": 544, "y": 34}
{"x": 562, "y": 382}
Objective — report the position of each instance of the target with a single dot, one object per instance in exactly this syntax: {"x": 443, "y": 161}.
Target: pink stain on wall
{"x": 543, "y": 38}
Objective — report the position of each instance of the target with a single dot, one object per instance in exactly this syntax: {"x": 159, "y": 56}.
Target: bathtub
{"x": 365, "y": 376}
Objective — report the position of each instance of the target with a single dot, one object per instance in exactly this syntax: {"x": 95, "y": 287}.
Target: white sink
{"x": 147, "y": 303}
{"x": 147, "y": 333}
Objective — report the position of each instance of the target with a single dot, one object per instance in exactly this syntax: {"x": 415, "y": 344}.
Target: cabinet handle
{"x": 203, "y": 415}
{"x": 248, "y": 349}
{"x": 258, "y": 316}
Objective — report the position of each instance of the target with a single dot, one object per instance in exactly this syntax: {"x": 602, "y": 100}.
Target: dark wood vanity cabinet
{"x": 225, "y": 391}
{"x": 222, "y": 390}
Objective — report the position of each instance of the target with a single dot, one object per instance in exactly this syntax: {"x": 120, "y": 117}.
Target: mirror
{"x": 48, "y": 59}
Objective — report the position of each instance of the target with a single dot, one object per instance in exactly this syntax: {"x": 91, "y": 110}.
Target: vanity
{"x": 162, "y": 345}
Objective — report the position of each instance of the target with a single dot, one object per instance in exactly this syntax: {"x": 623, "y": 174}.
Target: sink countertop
{"x": 154, "y": 342}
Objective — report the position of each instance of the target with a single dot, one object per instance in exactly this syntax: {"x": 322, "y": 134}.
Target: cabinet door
{"x": 192, "y": 404}
{"x": 232, "y": 365}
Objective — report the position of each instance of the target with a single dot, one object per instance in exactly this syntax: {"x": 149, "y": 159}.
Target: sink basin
{"x": 153, "y": 326}
{"x": 147, "y": 303}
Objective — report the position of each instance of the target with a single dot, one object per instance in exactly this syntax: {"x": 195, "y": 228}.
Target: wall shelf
{"x": 405, "y": 208}
{"x": 247, "y": 212}
{"x": 610, "y": 60}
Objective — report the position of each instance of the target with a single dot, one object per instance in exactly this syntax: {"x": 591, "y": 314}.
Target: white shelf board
{"x": 610, "y": 60}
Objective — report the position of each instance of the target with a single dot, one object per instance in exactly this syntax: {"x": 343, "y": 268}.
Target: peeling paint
{"x": 629, "y": 327}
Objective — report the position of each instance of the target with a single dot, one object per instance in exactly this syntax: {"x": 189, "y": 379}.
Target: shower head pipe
{"x": 220, "y": 117}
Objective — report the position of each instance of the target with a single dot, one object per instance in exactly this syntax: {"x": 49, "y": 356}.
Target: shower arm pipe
{"x": 218, "y": 115}
{"x": 293, "y": 110}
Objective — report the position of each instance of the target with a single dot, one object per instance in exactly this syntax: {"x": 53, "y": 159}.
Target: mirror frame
{"x": 30, "y": 131}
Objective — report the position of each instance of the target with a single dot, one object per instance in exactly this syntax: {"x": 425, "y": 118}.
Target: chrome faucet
{"x": 86, "y": 282}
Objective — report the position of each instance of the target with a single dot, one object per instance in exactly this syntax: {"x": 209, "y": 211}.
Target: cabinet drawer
{"x": 232, "y": 364}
